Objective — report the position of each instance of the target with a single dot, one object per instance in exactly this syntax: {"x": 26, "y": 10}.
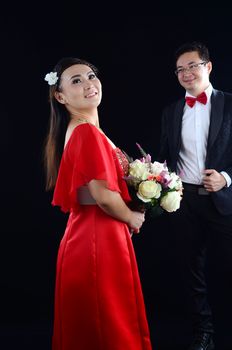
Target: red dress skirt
{"x": 98, "y": 298}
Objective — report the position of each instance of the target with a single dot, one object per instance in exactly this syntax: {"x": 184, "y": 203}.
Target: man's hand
{"x": 213, "y": 181}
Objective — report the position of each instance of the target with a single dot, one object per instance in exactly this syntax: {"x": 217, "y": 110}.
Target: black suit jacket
{"x": 219, "y": 147}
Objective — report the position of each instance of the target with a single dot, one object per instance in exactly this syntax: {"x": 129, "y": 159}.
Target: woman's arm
{"x": 112, "y": 204}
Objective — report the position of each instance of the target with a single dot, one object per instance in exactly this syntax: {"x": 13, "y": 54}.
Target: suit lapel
{"x": 216, "y": 117}
{"x": 177, "y": 121}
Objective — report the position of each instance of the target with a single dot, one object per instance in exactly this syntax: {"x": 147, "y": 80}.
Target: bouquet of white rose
{"x": 152, "y": 185}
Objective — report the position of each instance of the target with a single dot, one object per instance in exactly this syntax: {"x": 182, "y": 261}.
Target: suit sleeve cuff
{"x": 227, "y": 178}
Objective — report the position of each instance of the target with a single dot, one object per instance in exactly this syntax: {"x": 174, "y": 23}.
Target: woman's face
{"x": 80, "y": 89}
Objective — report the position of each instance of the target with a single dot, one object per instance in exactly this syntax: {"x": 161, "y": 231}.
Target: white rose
{"x": 157, "y": 168}
{"x": 149, "y": 189}
{"x": 139, "y": 170}
{"x": 175, "y": 181}
{"x": 171, "y": 201}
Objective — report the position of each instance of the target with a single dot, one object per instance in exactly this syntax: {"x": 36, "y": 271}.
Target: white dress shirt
{"x": 194, "y": 137}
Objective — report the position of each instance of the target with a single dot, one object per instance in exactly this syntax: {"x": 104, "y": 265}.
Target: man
{"x": 196, "y": 142}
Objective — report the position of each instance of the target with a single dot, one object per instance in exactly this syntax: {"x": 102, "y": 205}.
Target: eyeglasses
{"x": 191, "y": 68}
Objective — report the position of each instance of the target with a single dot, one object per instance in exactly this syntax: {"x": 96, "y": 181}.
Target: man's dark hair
{"x": 202, "y": 50}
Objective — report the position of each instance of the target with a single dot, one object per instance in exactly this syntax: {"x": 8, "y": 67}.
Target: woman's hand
{"x": 136, "y": 220}
{"x": 112, "y": 204}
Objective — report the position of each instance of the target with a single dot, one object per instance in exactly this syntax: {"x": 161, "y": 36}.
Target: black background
{"x": 134, "y": 54}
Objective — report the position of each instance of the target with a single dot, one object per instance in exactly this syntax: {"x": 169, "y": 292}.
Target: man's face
{"x": 193, "y": 73}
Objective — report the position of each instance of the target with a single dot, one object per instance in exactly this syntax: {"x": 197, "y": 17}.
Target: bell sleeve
{"x": 87, "y": 156}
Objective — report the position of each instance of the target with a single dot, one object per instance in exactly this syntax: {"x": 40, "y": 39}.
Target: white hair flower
{"x": 51, "y": 78}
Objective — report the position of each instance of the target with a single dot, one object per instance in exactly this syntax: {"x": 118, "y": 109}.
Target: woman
{"x": 98, "y": 299}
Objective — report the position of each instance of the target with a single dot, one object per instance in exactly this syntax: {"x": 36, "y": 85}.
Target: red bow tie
{"x": 202, "y": 98}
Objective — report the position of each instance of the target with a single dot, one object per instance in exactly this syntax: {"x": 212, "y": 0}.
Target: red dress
{"x": 98, "y": 299}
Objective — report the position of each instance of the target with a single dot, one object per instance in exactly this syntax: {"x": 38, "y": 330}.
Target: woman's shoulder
{"x": 80, "y": 130}
{"x": 86, "y": 127}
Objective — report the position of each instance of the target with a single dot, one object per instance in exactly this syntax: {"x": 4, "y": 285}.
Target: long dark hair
{"x": 58, "y": 122}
